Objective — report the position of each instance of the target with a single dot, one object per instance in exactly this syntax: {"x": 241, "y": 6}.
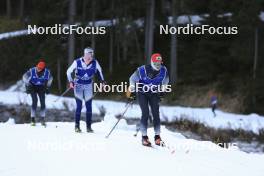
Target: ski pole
{"x": 67, "y": 90}
{"x": 119, "y": 118}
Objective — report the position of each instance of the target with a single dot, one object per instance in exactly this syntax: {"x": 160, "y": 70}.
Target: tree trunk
{"x": 149, "y": 29}
{"x": 255, "y": 54}
{"x": 93, "y": 23}
{"x": 59, "y": 75}
{"x": 146, "y": 35}
{"x": 21, "y": 9}
{"x": 124, "y": 47}
{"x": 255, "y": 65}
{"x": 118, "y": 52}
{"x": 111, "y": 47}
{"x": 71, "y": 39}
{"x": 124, "y": 38}
{"x": 8, "y": 8}
{"x": 139, "y": 55}
{"x": 117, "y": 40}
{"x": 173, "y": 52}
{"x": 84, "y": 5}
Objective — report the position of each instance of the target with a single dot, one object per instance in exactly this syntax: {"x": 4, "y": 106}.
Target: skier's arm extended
{"x": 70, "y": 70}
{"x": 99, "y": 71}
{"x": 26, "y": 77}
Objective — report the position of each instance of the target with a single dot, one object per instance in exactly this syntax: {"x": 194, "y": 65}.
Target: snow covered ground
{"x": 58, "y": 150}
{"x": 223, "y": 120}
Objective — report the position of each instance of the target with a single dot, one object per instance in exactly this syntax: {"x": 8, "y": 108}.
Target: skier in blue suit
{"x": 153, "y": 74}
{"x": 85, "y": 68}
{"x": 38, "y": 81}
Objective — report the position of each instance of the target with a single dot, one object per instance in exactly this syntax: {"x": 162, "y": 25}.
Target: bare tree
{"x": 93, "y": 22}
{"x": 149, "y": 29}
{"x": 84, "y": 7}
{"x": 21, "y": 9}
{"x": 71, "y": 39}
{"x": 59, "y": 74}
{"x": 111, "y": 41}
{"x": 124, "y": 37}
{"x": 173, "y": 52}
{"x": 255, "y": 54}
{"x": 255, "y": 65}
{"x": 8, "y": 8}
{"x": 117, "y": 41}
{"x": 139, "y": 54}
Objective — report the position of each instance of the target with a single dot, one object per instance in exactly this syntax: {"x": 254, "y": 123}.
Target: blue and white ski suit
{"x": 83, "y": 89}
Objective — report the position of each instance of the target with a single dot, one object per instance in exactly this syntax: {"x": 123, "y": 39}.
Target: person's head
{"x": 41, "y": 65}
{"x": 88, "y": 54}
{"x": 156, "y": 61}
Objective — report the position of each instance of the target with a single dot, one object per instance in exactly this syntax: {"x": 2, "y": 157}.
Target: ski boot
{"x": 43, "y": 123}
{"x": 33, "y": 122}
{"x": 78, "y": 129}
{"x": 145, "y": 141}
{"x": 89, "y": 130}
{"x": 158, "y": 141}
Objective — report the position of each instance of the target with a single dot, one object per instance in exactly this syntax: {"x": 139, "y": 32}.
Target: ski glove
{"x": 29, "y": 88}
{"x": 47, "y": 90}
{"x": 132, "y": 97}
{"x": 161, "y": 95}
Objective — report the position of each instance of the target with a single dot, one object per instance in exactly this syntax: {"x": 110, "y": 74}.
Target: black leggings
{"x": 38, "y": 92}
{"x": 145, "y": 100}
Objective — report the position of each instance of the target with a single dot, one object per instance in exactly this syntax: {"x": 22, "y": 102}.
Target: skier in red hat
{"x": 144, "y": 84}
{"x": 38, "y": 80}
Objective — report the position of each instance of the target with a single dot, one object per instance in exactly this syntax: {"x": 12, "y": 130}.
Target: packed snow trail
{"x": 58, "y": 150}
{"x": 251, "y": 123}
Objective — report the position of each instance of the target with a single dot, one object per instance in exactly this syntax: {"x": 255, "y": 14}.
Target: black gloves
{"x": 132, "y": 96}
{"x": 47, "y": 90}
{"x": 29, "y": 88}
{"x": 161, "y": 95}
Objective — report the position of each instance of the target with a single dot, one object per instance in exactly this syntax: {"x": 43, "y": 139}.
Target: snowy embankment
{"x": 58, "y": 150}
{"x": 223, "y": 120}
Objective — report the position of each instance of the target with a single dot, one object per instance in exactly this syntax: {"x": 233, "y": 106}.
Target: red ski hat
{"x": 41, "y": 65}
{"x": 156, "y": 61}
{"x": 156, "y": 57}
